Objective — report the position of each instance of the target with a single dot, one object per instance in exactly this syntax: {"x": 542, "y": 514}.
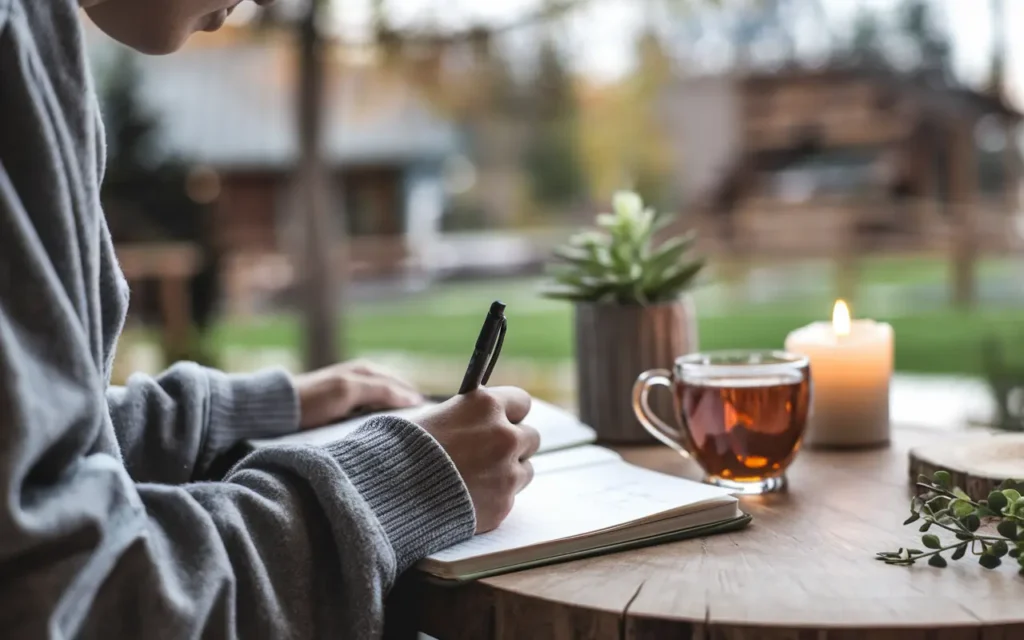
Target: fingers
{"x": 372, "y": 370}
{"x": 381, "y": 393}
{"x": 529, "y": 441}
{"x": 524, "y": 475}
{"x": 514, "y": 401}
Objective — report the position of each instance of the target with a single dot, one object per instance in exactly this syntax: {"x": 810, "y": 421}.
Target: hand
{"x": 491, "y": 450}
{"x": 334, "y": 393}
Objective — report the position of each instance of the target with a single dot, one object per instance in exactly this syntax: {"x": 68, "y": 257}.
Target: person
{"x": 105, "y": 530}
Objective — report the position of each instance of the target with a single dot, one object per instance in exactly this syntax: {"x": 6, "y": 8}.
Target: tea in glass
{"x": 740, "y": 414}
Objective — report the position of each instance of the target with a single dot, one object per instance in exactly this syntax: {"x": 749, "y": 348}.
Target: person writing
{"x": 105, "y": 530}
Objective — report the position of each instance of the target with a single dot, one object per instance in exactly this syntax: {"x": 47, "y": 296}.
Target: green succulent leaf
{"x": 937, "y": 561}
{"x": 961, "y": 550}
{"x": 972, "y": 522}
{"x": 997, "y": 501}
{"x": 961, "y": 508}
{"x": 1007, "y": 529}
{"x": 943, "y": 479}
{"x": 931, "y": 541}
{"x": 989, "y": 561}
{"x": 620, "y": 261}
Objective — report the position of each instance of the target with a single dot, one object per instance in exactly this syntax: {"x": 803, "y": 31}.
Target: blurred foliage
{"x": 552, "y": 159}
{"x": 1005, "y": 377}
{"x": 623, "y": 140}
{"x": 144, "y": 192}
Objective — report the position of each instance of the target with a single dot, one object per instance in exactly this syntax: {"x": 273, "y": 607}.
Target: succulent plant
{"x": 620, "y": 262}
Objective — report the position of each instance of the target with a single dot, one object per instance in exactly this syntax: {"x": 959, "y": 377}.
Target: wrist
{"x": 411, "y": 484}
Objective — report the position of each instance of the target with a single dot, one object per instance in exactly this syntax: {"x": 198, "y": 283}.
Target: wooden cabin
{"x": 815, "y": 162}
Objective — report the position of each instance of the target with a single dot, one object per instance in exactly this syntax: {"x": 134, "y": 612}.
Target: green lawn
{"x": 446, "y": 323}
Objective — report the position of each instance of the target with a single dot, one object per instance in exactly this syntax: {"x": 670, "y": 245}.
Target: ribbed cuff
{"x": 246, "y": 407}
{"x": 410, "y": 484}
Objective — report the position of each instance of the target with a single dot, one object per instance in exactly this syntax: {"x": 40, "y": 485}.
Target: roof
{"x": 927, "y": 87}
{"x": 233, "y": 106}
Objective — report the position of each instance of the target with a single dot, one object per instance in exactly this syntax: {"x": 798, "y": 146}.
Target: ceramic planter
{"x": 614, "y": 345}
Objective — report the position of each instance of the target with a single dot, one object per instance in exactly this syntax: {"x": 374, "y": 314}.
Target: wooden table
{"x": 803, "y": 569}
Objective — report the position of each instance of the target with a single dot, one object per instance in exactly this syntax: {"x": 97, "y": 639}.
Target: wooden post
{"x": 321, "y": 286}
{"x": 963, "y": 196}
{"x": 176, "y": 308}
{"x": 1012, "y": 169}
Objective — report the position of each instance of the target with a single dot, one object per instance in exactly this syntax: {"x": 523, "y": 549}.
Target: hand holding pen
{"x": 482, "y": 432}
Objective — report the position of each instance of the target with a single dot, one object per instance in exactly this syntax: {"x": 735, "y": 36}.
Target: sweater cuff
{"x": 248, "y": 407}
{"x": 411, "y": 485}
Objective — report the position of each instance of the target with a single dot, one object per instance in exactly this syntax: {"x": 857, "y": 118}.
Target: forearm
{"x": 296, "y": 542}
{"x": 172, "y": 426}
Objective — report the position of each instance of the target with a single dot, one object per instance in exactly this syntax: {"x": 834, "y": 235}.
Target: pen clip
{"x": 497, "y": 351}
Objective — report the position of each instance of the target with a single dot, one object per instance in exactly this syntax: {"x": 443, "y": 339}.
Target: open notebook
{"x": 584, "y": 500}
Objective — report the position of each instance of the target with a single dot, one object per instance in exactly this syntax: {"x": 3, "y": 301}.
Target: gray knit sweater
{"x": 104, "y": 532}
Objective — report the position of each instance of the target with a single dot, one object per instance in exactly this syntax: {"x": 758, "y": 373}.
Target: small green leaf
{"x": 972, "y": 522}
{"x": 999, "y": 549}
{"x": 937, "y": 561}
{"x": 1018, "y": 507}
{"x": 1014, "y": 552}
{"x": 1012, "y": 495}
{"x": 962, "y": 535}
{"x": 913, "y": 518}
{"x": 997, "y": 501}
{"x": 960, "y": 508}
{"x": 989, "y": 561}
{"x": 925, "y": 527}
{"x": 938, "y": 503}
{"x": 943, "y": 479}
{"x": 931, "y": 541}
{"x": 985, "y": 512}
{"x": 960, "y": 493}
{"x": 961, "y": 550}
{"x": 1007, "y": 529}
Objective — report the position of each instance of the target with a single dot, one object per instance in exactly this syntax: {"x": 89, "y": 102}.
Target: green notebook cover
{"x": 671, "y": 536}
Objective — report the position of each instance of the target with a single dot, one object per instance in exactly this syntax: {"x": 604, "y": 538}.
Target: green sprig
{"x": 950, "y": 509}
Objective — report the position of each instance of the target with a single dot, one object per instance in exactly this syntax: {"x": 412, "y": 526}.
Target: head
{"x": 157, "y": 26}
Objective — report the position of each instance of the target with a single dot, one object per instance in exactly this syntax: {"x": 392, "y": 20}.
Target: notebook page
{"x": 559, "y": 429}
{"x": 579, "y": 500}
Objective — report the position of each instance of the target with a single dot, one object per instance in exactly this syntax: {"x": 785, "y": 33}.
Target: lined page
{"x": 567, "y": 500}
{"x": 559, "y": 429}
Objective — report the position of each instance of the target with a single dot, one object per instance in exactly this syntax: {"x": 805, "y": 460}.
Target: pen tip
{"x": 498, "y": 307}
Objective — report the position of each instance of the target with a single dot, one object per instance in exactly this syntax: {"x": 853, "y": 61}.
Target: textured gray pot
{"x": 614, "y": 345}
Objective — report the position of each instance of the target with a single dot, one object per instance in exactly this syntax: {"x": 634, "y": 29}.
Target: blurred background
{"x": 341, "y": 178}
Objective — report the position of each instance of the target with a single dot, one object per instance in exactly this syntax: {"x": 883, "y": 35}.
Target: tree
{"x": 928, "y": 40}
{"x": 552, "y": 159}
{"x": 625, "y": 143}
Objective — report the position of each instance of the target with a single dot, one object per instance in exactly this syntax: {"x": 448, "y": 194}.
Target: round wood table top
{"x": 804, "y": 568}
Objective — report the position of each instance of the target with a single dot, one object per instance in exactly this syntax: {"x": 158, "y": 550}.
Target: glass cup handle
{"x": 657, "y": 427}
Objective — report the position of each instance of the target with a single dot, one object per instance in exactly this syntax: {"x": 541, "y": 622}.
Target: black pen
{"x": 486, "y": 350}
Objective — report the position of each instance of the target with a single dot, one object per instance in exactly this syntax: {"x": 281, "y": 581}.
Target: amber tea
{"x": 740, "y": 415}
{"x": 744, "y": 429}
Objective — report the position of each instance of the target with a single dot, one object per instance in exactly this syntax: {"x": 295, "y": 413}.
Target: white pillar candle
{"x": 851, "y": 368}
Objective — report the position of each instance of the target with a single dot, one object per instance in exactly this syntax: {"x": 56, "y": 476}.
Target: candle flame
{"x": 841, "y": 318}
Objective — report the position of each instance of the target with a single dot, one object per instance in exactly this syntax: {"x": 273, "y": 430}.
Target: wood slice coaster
{"x": 978, "y": 463}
